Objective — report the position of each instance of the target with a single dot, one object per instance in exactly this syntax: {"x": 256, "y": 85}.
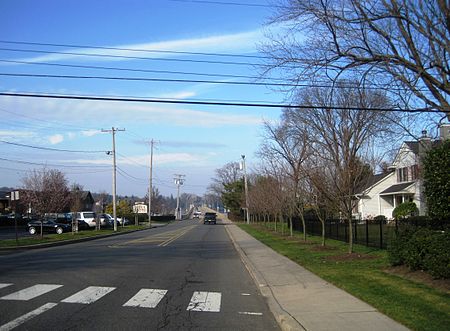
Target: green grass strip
{"x": 415, "y": 305}
{"x": 53, "y": 237}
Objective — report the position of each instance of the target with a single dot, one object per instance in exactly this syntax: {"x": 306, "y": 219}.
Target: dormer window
{"x": 402, "y": 174}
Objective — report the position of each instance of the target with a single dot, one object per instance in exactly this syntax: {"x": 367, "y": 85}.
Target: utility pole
{"x": 113, "y": 131}
{"x": 179, "y": 180}
{"x": 150, "y": 189}
{"x": 246, "y": 189}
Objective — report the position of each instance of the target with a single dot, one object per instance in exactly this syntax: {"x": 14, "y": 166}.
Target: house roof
{"x": 372, "y": 180}
{"x": 397, "y": 188}
{"x": 4, "y": 195}
{"x": 413, "y": 146}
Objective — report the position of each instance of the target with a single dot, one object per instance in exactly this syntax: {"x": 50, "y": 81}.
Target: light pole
{"x": 179, "y": 180}
{"x": 246, "y": 189}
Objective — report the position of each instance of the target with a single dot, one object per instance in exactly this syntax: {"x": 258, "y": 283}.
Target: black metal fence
{"x": 373, "y": 233}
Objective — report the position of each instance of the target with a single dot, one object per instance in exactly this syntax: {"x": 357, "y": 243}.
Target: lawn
{"x": 53, "y": 237}
{"x": 414, "y": 304}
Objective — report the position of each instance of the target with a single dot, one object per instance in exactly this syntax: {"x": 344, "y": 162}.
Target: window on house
{"x": 414, "y": 172}
{"x": 402, "y": 174}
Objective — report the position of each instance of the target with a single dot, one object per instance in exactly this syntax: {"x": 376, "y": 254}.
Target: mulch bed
{"x": 323, "y": 248}
{"x": 350, "y": 257}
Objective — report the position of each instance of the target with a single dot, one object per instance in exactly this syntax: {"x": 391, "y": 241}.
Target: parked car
{"x": 106, "y": 220}
{"x": 209, "y": 218}
{"x": 48, "y": 225}
{"x": 122, "y": 219}
{"x": 88, "y": 217}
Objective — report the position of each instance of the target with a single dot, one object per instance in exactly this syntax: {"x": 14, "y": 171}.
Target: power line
{"x": 134, "y": 49}
{"x": 140, "y": 79}
{"x": 140, "y": 70}
{"x": 50, "y": 149}
{"x": 51, "y": 165}
{"x": 131, "y": 57}
{"x": 205, "y": 103}
{"x": 67, "y": 172}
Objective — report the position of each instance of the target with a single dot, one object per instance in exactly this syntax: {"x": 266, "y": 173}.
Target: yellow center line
{"x": 170, "y": 240}
{"x": 163, "y": 239}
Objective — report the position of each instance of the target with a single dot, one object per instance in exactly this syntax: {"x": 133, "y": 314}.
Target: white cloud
{"x": 244, "y": 42}
{"x": 90, "y": 133}
{"x": 123, "y": 113}
{"x": 178, "y": 95}
{"x": 143, "y": 160}
{"x": 56, "y": 139}
{"x": 15, "y": 134}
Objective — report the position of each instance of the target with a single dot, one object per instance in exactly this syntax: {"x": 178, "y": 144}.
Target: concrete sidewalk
{"x": 299, "y": 299}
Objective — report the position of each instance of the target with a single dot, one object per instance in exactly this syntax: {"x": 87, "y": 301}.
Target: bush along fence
{"x": 425, "y": 247}
{"x": 373, "y": 233}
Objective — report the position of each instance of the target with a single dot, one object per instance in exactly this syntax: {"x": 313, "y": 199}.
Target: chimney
{"x": 424, "y": 145}
{"x": 444, "y": 131}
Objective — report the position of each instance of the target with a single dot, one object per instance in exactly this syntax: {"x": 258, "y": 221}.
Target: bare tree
{"x": 399, "y": 45}
{"x": 289, "y": 148}
{"x": 46, "y": 191}
{"x": 342, "y": 139}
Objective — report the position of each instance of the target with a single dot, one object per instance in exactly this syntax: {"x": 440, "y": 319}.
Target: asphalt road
{"x": 185, "y": 276}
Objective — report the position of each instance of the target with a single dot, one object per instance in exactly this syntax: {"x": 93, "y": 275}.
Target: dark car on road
{"x": 210, "y": 218}
{"x": 48, "y": 225}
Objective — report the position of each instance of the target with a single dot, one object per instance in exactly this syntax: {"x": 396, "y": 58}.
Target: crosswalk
{"x": 147, "y": 298}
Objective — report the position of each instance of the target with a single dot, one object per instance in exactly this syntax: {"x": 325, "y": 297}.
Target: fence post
{"x": 356, "y": 231}
{"x": 345, "y": 231}
{"x": 337, "y": 230}
{"x": 367, "y": 233}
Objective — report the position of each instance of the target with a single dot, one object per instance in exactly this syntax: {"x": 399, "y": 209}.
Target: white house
{"x": 402, "y": 183}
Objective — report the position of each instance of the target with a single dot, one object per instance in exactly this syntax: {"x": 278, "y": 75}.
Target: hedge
{"x": 421, "y": 249}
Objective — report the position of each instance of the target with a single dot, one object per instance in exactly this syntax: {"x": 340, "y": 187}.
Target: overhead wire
{"x": 50, "y": 149}
{"x": 208, "y": 103}
{"x": 52, "y": 165}
{"x": 134, "y": 49}
{"x": 112, "y": 56}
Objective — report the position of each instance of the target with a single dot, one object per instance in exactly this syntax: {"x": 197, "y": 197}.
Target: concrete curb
{"x": 70, "y": 241}
{"x": 284, "y": 319}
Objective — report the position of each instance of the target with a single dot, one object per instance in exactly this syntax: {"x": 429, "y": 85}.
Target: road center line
{"x": 22, "y": 319}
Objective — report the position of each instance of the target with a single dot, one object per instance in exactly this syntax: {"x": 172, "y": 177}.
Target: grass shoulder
{"x": 364, "y": 274}
{"x": 53, "y": 237}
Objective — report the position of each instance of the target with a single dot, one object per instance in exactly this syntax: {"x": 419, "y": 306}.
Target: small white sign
{"x": 14, "y": 195}
{"x": 140, "y": 209}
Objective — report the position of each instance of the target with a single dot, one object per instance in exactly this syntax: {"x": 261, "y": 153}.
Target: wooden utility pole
{"x": 113, "y": 131}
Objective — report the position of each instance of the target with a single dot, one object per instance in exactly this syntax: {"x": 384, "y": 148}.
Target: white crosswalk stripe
{"x": 2, "y": 285}
{"x": 146, "y": 298}
{"x": 31, "y": 292}
{"x": 205, "y": 301}
{"x": 24, "y": 318}
{"x": 89, "y": 295}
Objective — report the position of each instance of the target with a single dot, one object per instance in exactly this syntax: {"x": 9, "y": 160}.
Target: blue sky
{"x": 191, "y": 139}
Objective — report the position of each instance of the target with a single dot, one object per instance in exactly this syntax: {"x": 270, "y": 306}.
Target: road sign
{"x": 140, "y": 209}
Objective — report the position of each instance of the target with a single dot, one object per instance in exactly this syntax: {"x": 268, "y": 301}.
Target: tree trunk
{"x": 323, "y": 232}
{"x": 350, "y": 234}
{"x": 291, "y": 226}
